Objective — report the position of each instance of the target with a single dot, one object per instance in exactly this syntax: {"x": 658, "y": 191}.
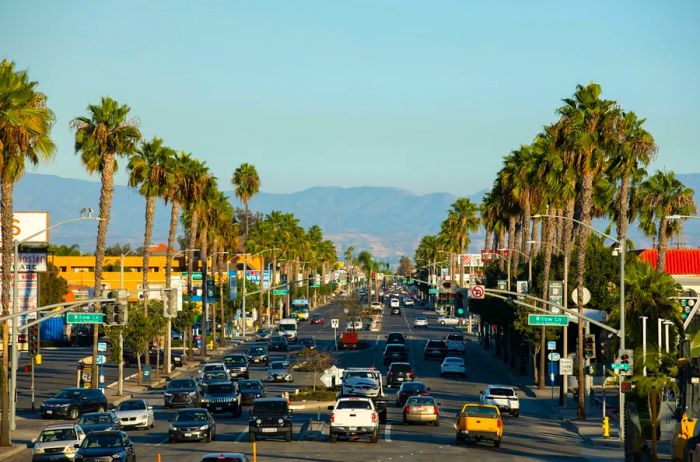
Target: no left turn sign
{"x": 476, "y": 292}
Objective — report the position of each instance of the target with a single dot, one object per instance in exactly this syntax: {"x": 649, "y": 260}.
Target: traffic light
{"x": 33, "y": 340}
{"x": 627, "y": 362}
{"x": 461, "y": 302}
{"x": 589, "y": 346}
{"x": 210, "y": 287}
{"x": 687, "y": 304}
{"x": 121, "y": 307}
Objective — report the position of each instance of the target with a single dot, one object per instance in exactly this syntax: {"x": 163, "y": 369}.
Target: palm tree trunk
{"x": 487, "y": 241}
{"x": 194, "y": 225}
{"x": 147, "y": 238}
{"x": 517, "y": 246}
{"x": 500, "y": 243}
{"x": 7, "y": 255}
{"x": 535, "y": 246}
{"x": 174, "y": 216}
{"x": 547, "y": 230}
{"x": 623, "y": 208}
{"x": 663, "y": 245}
{"x": 568, "y": 231}
{"x": 525, "y": 224}
{"x": 511, "y": 240}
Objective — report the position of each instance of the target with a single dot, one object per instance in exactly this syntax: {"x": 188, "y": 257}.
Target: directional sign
{"x": 477, "y": 292}
{"x": 280, "y": 292}
{"x": 85, "y": 318}
{"x": 566, "y": 366}
{"x": 433, "y": 291}
{"x": 101, "y": 359}
{"x": 101, "y": 346}
{"x": 547, "y": 320}
{"x": 620, "y": 367}
{"x": 551, "y": 345}
{"x": 335, "y": 323}
{"x": 554, "y": 357}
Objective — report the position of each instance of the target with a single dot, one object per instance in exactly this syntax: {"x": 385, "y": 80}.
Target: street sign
{"x": 554, "y": 357}
{"x": 619, "y": 367}
{"x": 335, "y": 323}
{"x": 477, "y": 292}
{"x": 556, "y": 295}
{"x": 101, "y": 346}
{"x": 280, "y": 292}
{"x": 551, "y": 345}
{"x": 433, "y": 291}
{"x": 502, "y": 284}
{"x": 522, "y": 287}
{"x": 85, "y": 318}
{"x": 566, "y": 366}
{"x": 586, "y": 296}
{"x": 101, "y": 359}
{"x": 547, "y": 320}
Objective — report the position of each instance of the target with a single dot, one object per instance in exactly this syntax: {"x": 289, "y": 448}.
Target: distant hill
{"x": 388, "y": 221}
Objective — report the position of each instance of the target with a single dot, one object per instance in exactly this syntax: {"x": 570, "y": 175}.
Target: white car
{"x": 59, "y": 441}
{"x": 408, "y": 302}
{"x": 452, "y": 365}
{"x": 377, "y": 306}
{"x": 420, "y": 321}
{"x": 395, "y": 303}
{"x": 502, "y": 396}
{"x": 354, "y": 324}
{"x": 455, "y": 347}
{"x": 135, "y": 413}
{"x": 211, "y": 367}
{"x": 448, "y": 321}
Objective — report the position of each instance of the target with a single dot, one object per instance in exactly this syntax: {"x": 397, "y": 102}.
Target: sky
{"x": 421, "y": 95}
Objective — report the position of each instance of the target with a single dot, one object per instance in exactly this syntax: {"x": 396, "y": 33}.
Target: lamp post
{"x": 120, "y": 366}
{"x": 621, "y": 251}
{"x": 667, "y": 323}
{"x": 659, "y": 339}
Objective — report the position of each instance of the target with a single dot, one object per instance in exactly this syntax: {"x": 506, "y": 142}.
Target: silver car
{"x": 278, "y": 371}
{"x": 57, "y": 442}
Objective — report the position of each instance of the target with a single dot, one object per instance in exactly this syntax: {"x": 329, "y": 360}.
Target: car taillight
{"x": 374, "y": 417}
{"x": 498, "y": 423}
{"x": 390, "y": 374}
{"x": 410, "y": 374}
{"x": 423, "y": 393}
{"x": 408, "y": 409}
{"x": 435, "y": 410}
{"x": 332, "y": 417}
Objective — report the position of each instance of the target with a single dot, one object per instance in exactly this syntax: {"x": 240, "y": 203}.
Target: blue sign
{"x": 232, "y": 286}
{"x": 300, "y": 301}
{"x": 254, "y": 277}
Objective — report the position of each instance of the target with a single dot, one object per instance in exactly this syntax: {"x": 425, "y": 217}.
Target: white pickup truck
{"x": 353, "y": 417}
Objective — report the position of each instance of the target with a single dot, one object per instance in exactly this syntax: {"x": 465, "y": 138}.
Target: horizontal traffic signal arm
{"x": 73, "y": 304}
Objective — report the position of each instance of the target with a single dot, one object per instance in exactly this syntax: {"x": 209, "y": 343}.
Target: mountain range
{"x": 387, "y": 221}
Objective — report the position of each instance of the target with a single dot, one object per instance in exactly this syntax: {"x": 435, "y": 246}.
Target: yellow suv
{"x": 477, "y": 422}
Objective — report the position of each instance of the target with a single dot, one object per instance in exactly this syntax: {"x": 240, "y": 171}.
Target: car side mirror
{"x": 33, "y": 441}
{"x": 330, "y": 408}
{"x": 150, "y": 408}
{"x": 76, "y": 446}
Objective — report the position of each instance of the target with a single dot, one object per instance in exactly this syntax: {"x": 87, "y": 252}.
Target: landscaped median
{"x": 308, "y": 399}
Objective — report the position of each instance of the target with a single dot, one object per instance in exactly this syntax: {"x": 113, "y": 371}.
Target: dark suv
{"x": 182, "y": 392}
{"x": 72, "y": 402}
{"x": 222, "y": 396}
{"x": 237, "y": 366}
{"x": 277, "y": 343}
{"x": 399, "y": 373}
{"x": 257, "y": 354}
{"x": 396, "y": 337}
{"x": 270, "y": 416}
{"x": 395, "y": 352}
{"x": 435, "y": 349}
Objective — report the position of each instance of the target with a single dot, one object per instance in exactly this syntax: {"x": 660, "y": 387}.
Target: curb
{"x": 12, "y": 452}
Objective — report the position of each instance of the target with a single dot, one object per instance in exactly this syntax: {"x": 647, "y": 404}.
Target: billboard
{"x": 30, "y": 227}
{"x": 473, "y": 260}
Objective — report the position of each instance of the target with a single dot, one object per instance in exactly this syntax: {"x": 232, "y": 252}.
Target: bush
{"x": 307, "y": 394}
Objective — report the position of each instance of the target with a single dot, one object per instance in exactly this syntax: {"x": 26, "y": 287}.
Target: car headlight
{"x": 171, "y": 428}
{"x": 258, "y": 421}
{"x": 70, "y": 450}
{"x": 118, "y": 455}
{"x": 38, "y": 451}
{"x": 193, "y": 393}
{"x": 280, "y": 421}
{"x": 204, "y": 427}
{"x": 205, "y": 400}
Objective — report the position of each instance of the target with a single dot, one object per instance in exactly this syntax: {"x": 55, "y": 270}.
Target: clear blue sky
{"x": 426, "y": 96}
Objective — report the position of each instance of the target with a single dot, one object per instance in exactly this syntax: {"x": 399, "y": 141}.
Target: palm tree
{"x": 148, "y": 171}
{"x": 174, "y": 192}
{"x": 99, "y": 138}
{"x": 196, "y": 175}
{"x": 247, "y": 184}
{"x": 25, "y": 128}
{"x": 465, "y": 219}
{"x": 662, "y": 195}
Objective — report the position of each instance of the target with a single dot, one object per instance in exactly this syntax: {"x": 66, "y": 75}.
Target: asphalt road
{"x": 532, "y": 436}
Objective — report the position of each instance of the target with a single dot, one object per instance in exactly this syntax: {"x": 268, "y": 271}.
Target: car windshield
{"x": 501, "y": 392}
{"x": 359, "y": 404}
{"x": 435, "y": 343}
{"x": 267, "y": 407}
{"x": 59, "y": 434}
{"x": 235, "y": 360}
{"x": 453, "y": 360}
{"x": 400, "y": 367}
{"x": 215, "y": 376}
{"x": 395, "y": 338}
{"x": 363, "y": 374}
{"x": 222, "y": 388}
{"x": 421, "y": 318}
{"x": 96, "y": 419}
{"x": 257, "y": 350}
{"x": 186, "y": 383}
{"x": 190, "y": 416}
{"x": 278, "y": 365}
{"x": 105, "y": 440}
{"x": 413, "y": 386}
{"x": 68, "y": 394}
{"x": 481, "y": 411}
{"x": 250, "y": 385}
{"x": 421, "y": 401}
{"x": 132, "y": 406}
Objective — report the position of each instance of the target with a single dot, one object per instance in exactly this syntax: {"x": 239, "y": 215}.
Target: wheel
{"x": 382, "y": 417}
{"x": 436, "y": 423}
{"x": 251, "y": 437}
{"x": 497, "y": 444}
{"x": 405, "y": 422}
{"x": 516, "y": 413}
{"x": 100, "y": 409}
{"x": 458, "y": 440}
{"x": 213, "y": 436}
{"x": 288, "y": 436}
{"x": 73, "y": 413}
{"x": 172, "y": 440}
{"x": 208, "y": 438}
{"x": 375, "y": 437}
{"x": 333, "y": 437}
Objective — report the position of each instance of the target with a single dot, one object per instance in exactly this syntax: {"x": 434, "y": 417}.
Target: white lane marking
{"x": 387, "y": 433}
{"x": 241, "y": 436}
{"x": 377, "y": 342}
{"x": 164, "y": 441}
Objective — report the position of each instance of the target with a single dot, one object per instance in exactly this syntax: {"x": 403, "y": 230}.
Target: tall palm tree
{"x": 662, "y": 195}
{"x": 246, "y": 181}
{"x": 464, "y": 219}
{"x": 196, "y": 176}
{"x": 174, "y": 193}
{"x": 148, "y": 171}
{"x": 25, "y": 129}
{"x": 99, "y": 138}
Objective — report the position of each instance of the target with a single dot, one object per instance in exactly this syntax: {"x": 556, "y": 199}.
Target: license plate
{"x": 187, "y": 435}
{"x": 49, "y": 412}
{"x": 218, "y": 408}
{"x": 269, "y": 430}
{"x": 353, "y": 429}
{"x": 400, "y": 379}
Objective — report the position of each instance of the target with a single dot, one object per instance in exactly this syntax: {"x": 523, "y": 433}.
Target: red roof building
{"x": 678, "y": 261}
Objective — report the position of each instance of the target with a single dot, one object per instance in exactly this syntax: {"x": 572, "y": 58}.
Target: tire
{"x": 172, "y": 440}
{"x": 382, "y": 417}
{"x": 208, "y": 438}
{"x": 497, "y": 444}
{"x": 333, "y": 437}
{"x": 516, "y": 413}
{"x": 375, "y": 437}
{"x": 458, "y": 440}
{"x": 213, "y": 436}
{"x": 73, "y": 413}
{"x": 251, "y": 437}
{"x": 404, "y": 421}
{"x": 288, "y": 436}
{"x": 436, "y": 423}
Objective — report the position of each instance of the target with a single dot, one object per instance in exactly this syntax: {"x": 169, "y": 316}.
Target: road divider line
{"x": 241, "y": 436}
{"x": 377, "y": 342}
{"x": 387, "y": 433}
{"x": 164, "y": 441}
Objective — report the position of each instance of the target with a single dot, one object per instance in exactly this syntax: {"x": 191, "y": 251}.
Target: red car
{"x": 316, "y": 319}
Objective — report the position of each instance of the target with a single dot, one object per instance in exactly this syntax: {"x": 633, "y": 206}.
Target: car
{"x": 408, "y": 301}
{"x": 396, "y": 337}
{"x": 257, "y": 354}
{"x": 376, "y": 306}
{"x": 270, "y": 417}
{"x": 395, "y": 310}
{"x": 225, "y": 457}
{"x": 213, "y": 376}
{"x": 237, "y": 365}
{"x": 57, "y": 442}
{"x": 108, "y": 445}
{"x": 399, "y": 373}
{"x": 395, "y": 352}
{"x": 278, "y": 371}
{"x": 409, "y": 389}
{"x": 217, "y": 366}
{"x": 307, "y": 342}
{"x": 449, "y": 321}
{"x": 278, "y": 343}
{"x": 135, "y": 413}
{"x": 222, "y": 396}
{"x": 250, "y": 391}
{"x": 455, "y": 336}
{"x": 394, "y": 303}
{"x": 316, "y": 319}
{"x": 354, "y": 324}
{"x": 263, "y": 334}
{"x": 453, "y": 366}
{"x": 477, "y": 422}
{"x": 353, "y": 417}
{"x": 455, "y": 347}
{"x": 99, "y": 421}
{"x": 72, "y": 402}
{"x": 421, "y": 409}
{"x": 182, "y": 392}
{"x": 504, "y": 397}
{"x": 192, "y": 424}
{"x": 434, "y": 349}
{"x": 420, "y": 321}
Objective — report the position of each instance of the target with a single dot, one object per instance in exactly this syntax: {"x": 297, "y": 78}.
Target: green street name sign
{"x": 85, "y": 318}
{"x": 547, "y": 320}
{"x": 620, "y": 367}
{"x": 280, "y": 292}
{"x": 433, "y": 291}
{"x": 315, "y": 286}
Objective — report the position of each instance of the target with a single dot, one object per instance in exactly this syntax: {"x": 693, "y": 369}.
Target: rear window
{"x": 235, "y": 360}
{"x": 395, "y": 348}
{"x": 479, "y": 411}
{"x": 457, "y": 337}
{"x": 354, "y": 405}
{"x": 401, "y": 367}
{"x": 413, "y": 386}
{"x": 501, "y": 392}
{"x": 421, "y": 401}
{"x": 395, "y": 338}
{"x": 435, "y": 343}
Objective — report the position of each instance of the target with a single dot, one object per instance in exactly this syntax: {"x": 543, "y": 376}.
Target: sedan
{"x": 316, "y": 319}
{"x": 278, "y": 343}
{"x": 225, "y": 457}
{"x": 57, "y": 442}
{"x": 250, "y": 390}
{"x": 112, "y": 445}
{"x": 136, "y": 413}
{"x": 409, "y": 389}
{"x": 448, "y": 321}
{"x": 192, "y": 424}
{"x": 455, "y": 347}
{"x": 420, "y": 321}
{"x": 453, "y": 366}
{"x": 99, "y": 421}
{"x": 257, "y": 354}
{"x": 279, "y": 371}
{"x": 408, "y": 302}
{"x": 421, "y": 409}
{"x": 263, "y": 334}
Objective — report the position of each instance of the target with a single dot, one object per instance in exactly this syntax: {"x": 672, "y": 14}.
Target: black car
{"x": 192, "y": 424}
{"x": 182, "y": 392}
{"x": 108, "y": 445}
{"x": 72, "y": 402}
{"x": 278, "y": 343}
{"x": 225, "y": 457}
{"x": 399, "y": 373}
{"x": 307, "y": 342}
{"x": 250, "y": 390}
{"x": 257, "y": 354}
{"x": 99, "y": 422}
{"x": 395, "y": 352}
{"x": 409, "y": 389}
{"x": 237, "y": 366}
{"x": 395, "y": 310}
{"x": 435, "y": 349}
{"x": 396, "y": 337}
{"x": 222, "y": 396}
{"x": 270, "y": 417}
